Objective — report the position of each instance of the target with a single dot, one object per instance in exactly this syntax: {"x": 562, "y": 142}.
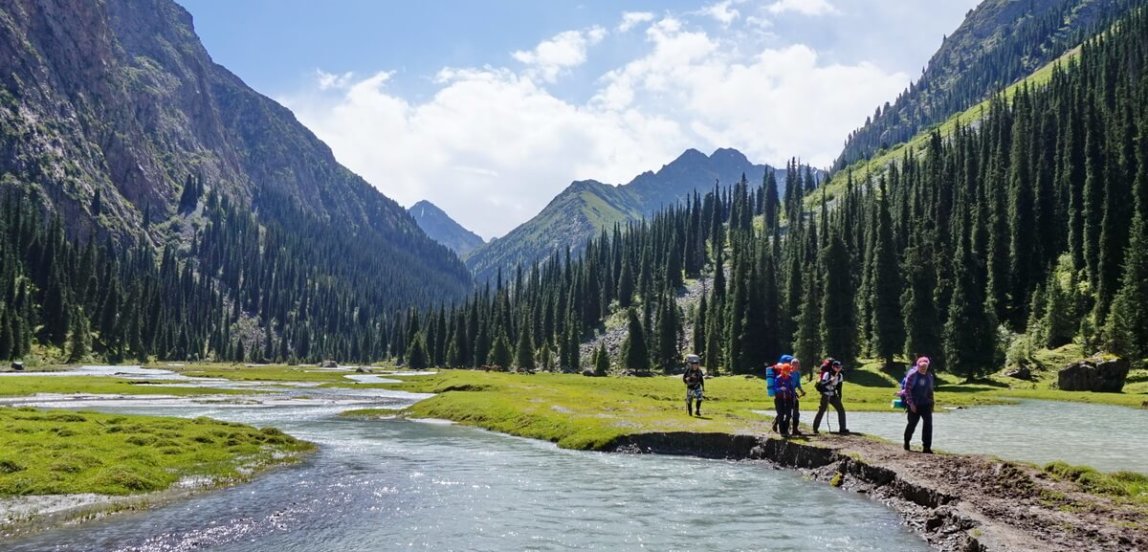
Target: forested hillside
{"x": 1000, "y": 42}
{"x": 1027, "y": 231}
{"x": 123, "y": 144}
{"x": 586, "y": 207}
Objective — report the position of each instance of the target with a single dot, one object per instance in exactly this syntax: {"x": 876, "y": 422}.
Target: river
{"x": 387, "y": 484}
{"x": 1108, "y": 438}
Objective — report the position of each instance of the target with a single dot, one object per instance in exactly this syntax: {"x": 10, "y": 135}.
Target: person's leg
{"x": 821, "y": 407}
{"x": 927, "y": 430}
{"x": 911, "y": 427}
{"x": 689, "y": 403}
{"x": 836, "y": 402}
{"x": 698, "y": 408}
{"x": 795, "y": 416}
{"x": 782, "y": 418}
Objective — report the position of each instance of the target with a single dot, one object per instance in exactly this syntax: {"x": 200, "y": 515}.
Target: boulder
{"x": 1020, "y": 372}
{"x": 1094, "y": 374}
{"x": 328, "y": 364}
{"x": 17, "y": 365}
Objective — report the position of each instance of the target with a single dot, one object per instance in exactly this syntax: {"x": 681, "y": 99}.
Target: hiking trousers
{"x": 924, "y": 412}
{"x": 784, "y": 408}
{"x": 827, "y": 400}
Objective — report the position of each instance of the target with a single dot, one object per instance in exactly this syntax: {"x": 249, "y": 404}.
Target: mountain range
{"x": 586, "y": 207}
{"x": 112, "y": 111}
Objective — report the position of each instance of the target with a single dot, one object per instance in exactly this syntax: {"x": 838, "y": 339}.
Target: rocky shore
{"x": 956, "y": 502}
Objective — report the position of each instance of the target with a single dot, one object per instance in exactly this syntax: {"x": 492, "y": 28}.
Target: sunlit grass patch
{"x": 1123, "y": 484}
{"x": 63, "y": 452}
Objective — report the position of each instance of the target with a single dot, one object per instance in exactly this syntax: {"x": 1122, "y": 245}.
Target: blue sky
{"x": 489, "y": 109}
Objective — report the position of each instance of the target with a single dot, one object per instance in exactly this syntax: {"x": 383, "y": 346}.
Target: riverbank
{"x": 62, "y": 466}
{"x": 956, "y": 502}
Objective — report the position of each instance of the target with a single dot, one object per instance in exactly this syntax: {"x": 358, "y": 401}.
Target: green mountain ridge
{"x": 999, "y": 43}
{"x": 587, "y": 207}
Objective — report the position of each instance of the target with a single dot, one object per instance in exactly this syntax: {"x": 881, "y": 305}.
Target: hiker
{"x": 795, "y": 415}
{"x": 829, "y": 385}
{"x": 919, "y": 386}
{"x": 785, "y": 381}
{"x": 695, "y": 382}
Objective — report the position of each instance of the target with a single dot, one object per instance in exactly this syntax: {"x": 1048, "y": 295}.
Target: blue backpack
{"x": 899, "y": 401}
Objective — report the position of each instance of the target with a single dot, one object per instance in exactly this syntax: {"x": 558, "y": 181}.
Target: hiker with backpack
{"x": 795, "y": 414}
{"x": 695, "y": 382}
{"x": 917, "y": 392}
{"x": 782, "y": 381}
{"x": 829, "y": 384}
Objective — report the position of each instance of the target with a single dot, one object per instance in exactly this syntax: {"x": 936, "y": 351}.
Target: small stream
{"x": 391, "y": 484}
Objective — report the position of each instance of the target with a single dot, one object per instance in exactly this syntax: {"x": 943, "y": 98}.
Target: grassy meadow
{"x": 581, "y": 412}
{"x": 63, "y": 452}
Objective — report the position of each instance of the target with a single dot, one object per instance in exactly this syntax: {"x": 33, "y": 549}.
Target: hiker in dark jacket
{"x": 829, "y": 385}
{"x": 919, "y": 385}
{"x": 695, "y": 381}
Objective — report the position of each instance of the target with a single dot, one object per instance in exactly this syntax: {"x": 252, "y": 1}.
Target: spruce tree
{"x": 888, "y": 326}
{"x": 838, "y": 328}
{"x": 524, "y": 350}
{"x": 635, "y": 354}
{"x": 601, "y": 361}
{"x": 417, "y": 357}
{"x": 500, "y": 355}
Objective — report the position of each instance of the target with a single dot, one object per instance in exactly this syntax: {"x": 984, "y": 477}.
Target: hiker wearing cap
{"x": 695, "y": 382}
{"x": 919, "y": 386}
{"x": 829, "y": 385}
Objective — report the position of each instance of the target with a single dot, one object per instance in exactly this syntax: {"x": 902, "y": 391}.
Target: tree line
{"x": 1031, "y": 222}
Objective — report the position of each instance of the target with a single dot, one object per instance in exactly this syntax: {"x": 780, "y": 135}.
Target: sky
{"x": 488, "y": 109}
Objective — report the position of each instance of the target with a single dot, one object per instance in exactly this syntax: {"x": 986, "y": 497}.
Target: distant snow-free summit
{"x": 443, "y": 229}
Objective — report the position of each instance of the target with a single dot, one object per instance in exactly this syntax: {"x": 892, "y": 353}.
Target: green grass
{"x": 590, "y": 413}
{"x": 63, "y": 452}
{"x": 268, "y": 373}
{"x": 100, "y": 385}
{"x": 1127, "y": 486}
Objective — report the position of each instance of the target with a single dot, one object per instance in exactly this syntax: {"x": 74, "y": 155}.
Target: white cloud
{"x": 806, "y": 7}
{"x": 723, "y": 12}
{"x": 564, "y": 51}
{"x": 328, "y": 81}
{"x": 632, "y": 19}
{"x": 492, "y": 145}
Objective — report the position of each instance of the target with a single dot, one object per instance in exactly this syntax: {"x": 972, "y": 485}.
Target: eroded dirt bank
{"x": 956, "y": 502}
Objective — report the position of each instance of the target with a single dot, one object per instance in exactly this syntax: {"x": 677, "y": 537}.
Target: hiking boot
{"x": 843, "y": 432}
{"x": 927, "y": 451}
{"x": 815, "y": 432}
{"x": 907, "y": 446}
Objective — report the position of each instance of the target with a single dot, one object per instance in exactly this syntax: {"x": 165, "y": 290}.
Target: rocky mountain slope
{"x": 110, "y": 110}
{"x": 998, "y": 43}
{"x": 443, "y": 229}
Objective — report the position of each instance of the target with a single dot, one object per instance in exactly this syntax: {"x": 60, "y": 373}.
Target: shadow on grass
{"x": 866, "y": 378}
{"x": 972, "y": 387}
